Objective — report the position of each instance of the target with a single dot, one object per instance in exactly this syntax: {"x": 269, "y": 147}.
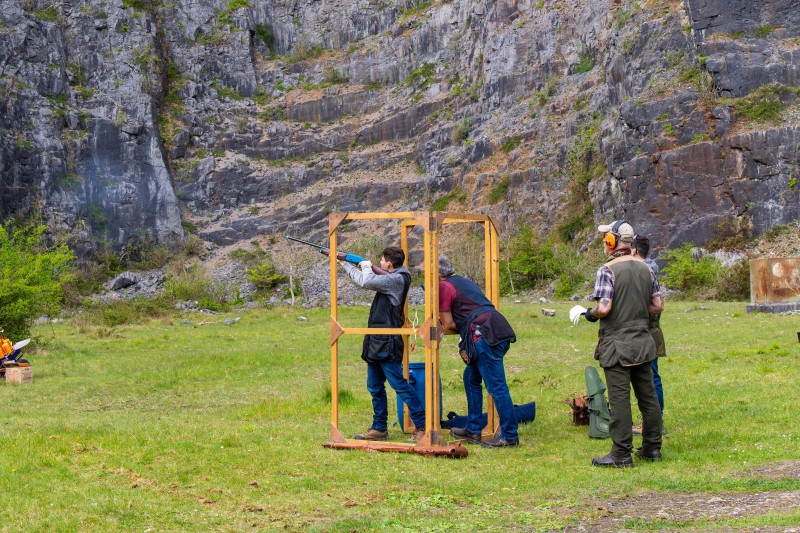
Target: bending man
{"x": 485, "y": 338}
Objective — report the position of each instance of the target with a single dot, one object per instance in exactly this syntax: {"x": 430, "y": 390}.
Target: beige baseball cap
{"x": 618, "y": 227}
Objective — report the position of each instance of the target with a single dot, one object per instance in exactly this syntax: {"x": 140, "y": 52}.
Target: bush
{"x": 267, "y": 35}
{"x": 456, "y": 195}
{"x": 334, "y": 76}
{"x": 369, "y": 247}
{"x": 265, "y": 276}
{"x": 511, "y": 143}
{"x": 572, "y": 277}
{"x": 141, "y": 252}
{"x": 126, "y": 312}
{"x": 764, "y": 104}
{"x": 499, "y": 190}
{"x": 532, "y": 263}
{"x": 192, "y": 283}
{"x": 686, "y": 273}
{"x": 731, "y": 234}
{"x": 31, "y": 276}
{"x": 569, "y": 228}
{"x": 461, "y": 129}
{"x": 193, "y": 246}
{"x": 464, "y": 245}
{"x": 734, "y": 282}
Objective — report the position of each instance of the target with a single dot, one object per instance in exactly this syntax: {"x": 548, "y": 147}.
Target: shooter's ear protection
{"x": 611, "y": 237}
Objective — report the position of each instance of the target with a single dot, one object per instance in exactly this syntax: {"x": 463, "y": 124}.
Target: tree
{"x": 31, "y": 276}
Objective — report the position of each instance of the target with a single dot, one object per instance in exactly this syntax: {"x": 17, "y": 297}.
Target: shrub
{"x": 464, "y": 245}
{"x": 142, "y": 252}
{"x": 265, "y": 276}
{"x": 585, "y": 64}
{"x": 572, "y": 275}
{"x": 511, "y": 143}
{"x": 686, "y": 273}
{"x": 570, "y": 227}
{"x": 584, "y": 164}
{"x": 532, "y": 262}
{"x": 31, "y": 276}
{"x": 461, "y": 130}
{"x": 267, "y": 36}
{"x": 731, "y": 234}
{"x": 764, "y": 104}
{"x": 369, "y": 247}
{"x": 194, "y": 246}
{"x": 334, "y": 76}
{"x": 734, "y": 282}
{"x": 227, "y": 92}
{"x": 456, "y": 195}
{"x": 776, "y": 231}
{"x": 623, "y": 16}
{"x": 126, "y": 312}
{"x": 422, "y": 78}
{"x": 192, "y": 283}
{"x": 763, "y": 31}
{"x": 499, "y": 190}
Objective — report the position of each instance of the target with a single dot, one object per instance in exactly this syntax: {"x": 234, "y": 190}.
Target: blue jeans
{"x": 488, "y": 367}
{"x": 377, "y": 375}
{"x": 657, "y": 383}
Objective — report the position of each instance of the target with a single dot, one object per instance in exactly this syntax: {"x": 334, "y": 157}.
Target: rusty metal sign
{"x": 775, "y": 280}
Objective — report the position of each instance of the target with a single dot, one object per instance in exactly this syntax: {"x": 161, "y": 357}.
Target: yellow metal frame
{"x": 433, "y": 442}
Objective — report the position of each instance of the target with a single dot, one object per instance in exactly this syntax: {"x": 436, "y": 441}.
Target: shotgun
{"x": 341, "y": 256}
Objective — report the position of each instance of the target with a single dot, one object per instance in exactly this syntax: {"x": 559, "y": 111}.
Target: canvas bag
{"x": 599, "y": 413}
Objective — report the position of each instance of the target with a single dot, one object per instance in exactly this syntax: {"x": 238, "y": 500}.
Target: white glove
{"x": 365, "y": 265}
{"x": 575, "y": 314}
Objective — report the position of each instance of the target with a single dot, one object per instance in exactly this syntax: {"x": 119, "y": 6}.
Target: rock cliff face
{"x": 241, "y": 117}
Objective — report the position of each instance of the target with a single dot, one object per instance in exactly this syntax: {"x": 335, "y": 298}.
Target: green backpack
{"x": 599, "y": 413}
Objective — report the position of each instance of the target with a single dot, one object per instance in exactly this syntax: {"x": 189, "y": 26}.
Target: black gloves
{"x": 589, "y": 316}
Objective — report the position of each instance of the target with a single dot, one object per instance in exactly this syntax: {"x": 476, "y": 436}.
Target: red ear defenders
{"x": 611, "y": 237}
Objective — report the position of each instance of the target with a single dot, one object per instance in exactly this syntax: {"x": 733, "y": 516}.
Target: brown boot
{"x": 373, "y": 434}
{"x": 462, "y": 433}
{"x": 418, "y": 434}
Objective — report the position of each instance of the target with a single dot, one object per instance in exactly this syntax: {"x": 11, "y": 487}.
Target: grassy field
{"x": 171, "y": 426}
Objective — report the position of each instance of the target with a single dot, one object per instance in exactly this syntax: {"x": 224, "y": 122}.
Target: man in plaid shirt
{"x": 626, "y": 291}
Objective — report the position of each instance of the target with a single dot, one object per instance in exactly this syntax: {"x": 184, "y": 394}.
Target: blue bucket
{"x": 416, "y": 378}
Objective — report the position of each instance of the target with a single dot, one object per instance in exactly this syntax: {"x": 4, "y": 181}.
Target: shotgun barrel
{"x": 341, "y": 256}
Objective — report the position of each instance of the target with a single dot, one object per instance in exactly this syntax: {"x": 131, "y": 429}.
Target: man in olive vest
{"x": 626, "y": 291}
{"x": 384, "y": 353}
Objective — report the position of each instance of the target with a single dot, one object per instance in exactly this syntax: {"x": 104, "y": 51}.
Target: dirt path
{"x": 673, "y": 509}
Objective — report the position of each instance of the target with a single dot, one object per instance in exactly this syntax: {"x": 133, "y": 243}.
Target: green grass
{"x": 764, "y": 104}
{"x": 456, "y": 195}
{"x": 208, "y": 427}
{"x": 499, "y": 190}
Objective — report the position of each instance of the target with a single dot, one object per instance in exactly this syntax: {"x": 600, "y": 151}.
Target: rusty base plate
{"x": 432, "y": 444}
{"x": 455, "y": 450}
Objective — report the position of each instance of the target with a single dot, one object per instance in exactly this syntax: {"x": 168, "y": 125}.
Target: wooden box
{"x": 20, "y": 374}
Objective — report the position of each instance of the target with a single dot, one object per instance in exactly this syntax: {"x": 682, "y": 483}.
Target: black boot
{"x": 650, "y": 455}
{"x": 613, "y": 461}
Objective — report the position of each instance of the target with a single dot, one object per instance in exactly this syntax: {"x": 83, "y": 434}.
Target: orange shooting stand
{"x": 433, "y": 442}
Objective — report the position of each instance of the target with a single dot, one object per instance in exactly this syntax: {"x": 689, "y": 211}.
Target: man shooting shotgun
{"x": 341, "y": 256}
{"x": 384, "y": 353}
